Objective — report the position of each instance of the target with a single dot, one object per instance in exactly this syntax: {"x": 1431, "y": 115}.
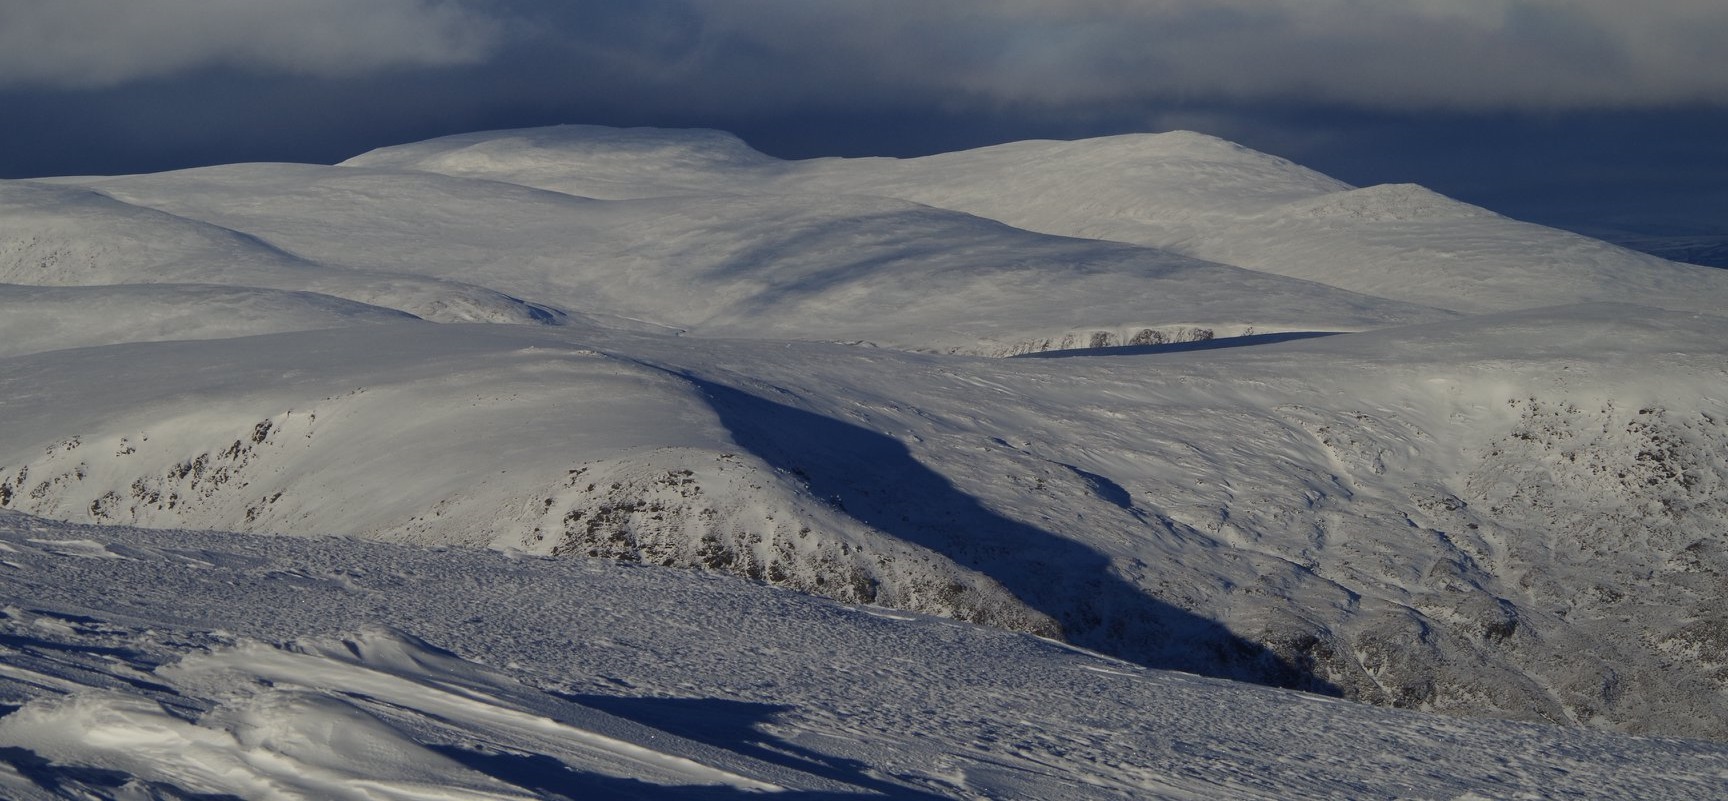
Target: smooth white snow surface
{"x": 834, "y": 267}
{"x": 1183, "y": 192}
{"x": 660, "y": 347}
{"x": 38, "y": 318}
{"x": 167, "y": 664}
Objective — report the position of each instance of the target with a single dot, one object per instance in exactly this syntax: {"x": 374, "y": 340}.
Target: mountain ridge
{"x": 1204, "y": 197}
{"x": 1512, "y": 514}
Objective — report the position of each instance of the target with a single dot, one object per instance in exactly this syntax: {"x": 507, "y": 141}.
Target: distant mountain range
{"x": 1367, "y": 442}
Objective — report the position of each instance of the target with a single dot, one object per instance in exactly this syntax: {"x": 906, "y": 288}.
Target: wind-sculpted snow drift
{"x": 1518, "y": 514}
{"x": 175, "y": 664}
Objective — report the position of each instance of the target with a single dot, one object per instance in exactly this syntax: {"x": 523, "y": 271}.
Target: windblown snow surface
{"x": 175, "y": 664}
{"x": 1339, "y": 443}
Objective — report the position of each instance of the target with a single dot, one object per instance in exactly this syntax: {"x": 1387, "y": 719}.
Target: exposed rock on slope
{"x": 438, "y": 435}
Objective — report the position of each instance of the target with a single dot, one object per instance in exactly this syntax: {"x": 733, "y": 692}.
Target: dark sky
{"x": 1573, "y": 112}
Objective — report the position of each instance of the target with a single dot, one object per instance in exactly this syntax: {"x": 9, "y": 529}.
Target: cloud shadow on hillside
{"x": 876, "y": 480}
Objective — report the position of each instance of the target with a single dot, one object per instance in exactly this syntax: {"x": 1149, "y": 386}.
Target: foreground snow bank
{"x": 140, "y": 664}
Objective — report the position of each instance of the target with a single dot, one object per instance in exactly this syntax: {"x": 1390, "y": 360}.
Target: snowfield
{"x": 1366, "y": 444}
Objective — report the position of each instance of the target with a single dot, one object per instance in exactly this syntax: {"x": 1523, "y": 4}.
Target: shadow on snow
{"x": 1180, "y": 347}
{"x": 876, "y": 480}
{"x": 731, "y": 725}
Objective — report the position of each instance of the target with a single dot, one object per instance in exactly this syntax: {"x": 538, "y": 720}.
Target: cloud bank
{"x": 1454, "y": 54}
{"x": 1391, "y": 54}
{"x": 1561, "y": 109}
{"x": 100, "y": 43}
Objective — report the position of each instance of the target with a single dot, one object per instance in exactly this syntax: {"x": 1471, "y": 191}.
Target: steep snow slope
{"x": 829, "y": 267}
{"x": 179, "y": 664}
{"x": 464, "y": 435}
{"x": 1402, "y": 515}
{"x": 1418, "y": 517}
{"x": 1184, "y": 192}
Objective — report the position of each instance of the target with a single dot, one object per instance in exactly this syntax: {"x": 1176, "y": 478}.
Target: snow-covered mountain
{"x": 831, "y": 267}
{"x": 1183, "y": 192}
{"x": 1275, "y": 434}
{"x": 66, "y": 236}
{"x": 40, "y": 318}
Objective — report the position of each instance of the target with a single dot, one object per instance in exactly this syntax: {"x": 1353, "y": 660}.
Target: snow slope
{"x": 35, "y": 319}
{"x": 444, "y": 434}
{"x": 1516, "y": 514}
{"x": 68, "y": 236}
{"x": 1211, "y": 199}
{"x": 589, "y": 160}
{"x": 186, "y": 664}
{"x": 1183, "y": 192}
{"x": 1416, "y": 517}
{"x": 827, "y": 267}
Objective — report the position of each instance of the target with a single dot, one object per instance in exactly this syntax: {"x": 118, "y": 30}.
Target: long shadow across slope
{"x": 876, "y": 480}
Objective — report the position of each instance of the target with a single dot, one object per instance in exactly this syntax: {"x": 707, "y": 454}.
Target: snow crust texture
{"x": 176, "y": 664}
{"x": 1281, "y": 431}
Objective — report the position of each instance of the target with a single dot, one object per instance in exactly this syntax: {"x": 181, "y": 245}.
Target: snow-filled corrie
{"x": 175, "y": 664}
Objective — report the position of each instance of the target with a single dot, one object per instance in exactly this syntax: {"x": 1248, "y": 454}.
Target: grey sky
{"x": 1405, "y": 54}
{"x": 96, "y": 43}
